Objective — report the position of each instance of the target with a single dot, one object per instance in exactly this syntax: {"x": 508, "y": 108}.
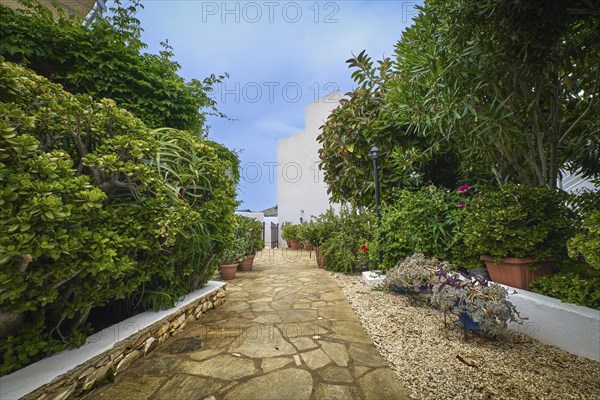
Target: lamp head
{"x": 374, "y": 153}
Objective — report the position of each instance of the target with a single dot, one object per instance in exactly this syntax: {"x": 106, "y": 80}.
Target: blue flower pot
{"x": 426, "y": 289}
{"x": 466, "y": 321}
{"x": 400, "y": 290}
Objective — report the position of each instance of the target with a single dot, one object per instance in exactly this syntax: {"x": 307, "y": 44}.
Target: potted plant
{"x": 230, "y": 259}
{"x": 414, "y": 274}
{"x": 250, "y": 232}
{"x": 290, "y": 233}
{"x": 480, "y": 305}
{"x": 518, "y": 231}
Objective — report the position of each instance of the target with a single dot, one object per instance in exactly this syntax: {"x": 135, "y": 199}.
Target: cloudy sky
{"x": 280, "y": 56}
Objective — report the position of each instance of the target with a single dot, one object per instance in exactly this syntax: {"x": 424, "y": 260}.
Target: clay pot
{"x": 228, "y": 271}
{"x": 246, "y": 265}
{"x": 295, "y": 245}
{"x": 308, "y": 246}
{"x": 320, "y": 261}
{"x": 516, "y": 272}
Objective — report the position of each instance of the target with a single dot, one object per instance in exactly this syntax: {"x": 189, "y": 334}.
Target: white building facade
{"x": 301, "y": 190}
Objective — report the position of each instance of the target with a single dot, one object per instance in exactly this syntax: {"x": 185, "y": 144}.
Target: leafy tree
{"x": 105, "y": 60}
{"x": 406, "y": 159}
{"x": 513, "y": 86}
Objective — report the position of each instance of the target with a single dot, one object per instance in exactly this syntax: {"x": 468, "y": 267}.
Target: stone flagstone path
{"x": 285, "y": 332}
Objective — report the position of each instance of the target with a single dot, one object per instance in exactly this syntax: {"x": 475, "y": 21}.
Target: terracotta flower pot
{"x": 295, "y": 245}
{"x": 246, "y": 265}
{"x": 308, "y": 246}
{"x": 516, "y": 272}
{"x": 289, "y": 244}
{"x": 228, "y": 271}
{"x": 320, "y": 261}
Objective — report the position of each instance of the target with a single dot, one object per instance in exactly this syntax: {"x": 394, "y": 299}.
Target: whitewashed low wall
{"x": 570, "y": 327}
{"x": 111, "y": 351}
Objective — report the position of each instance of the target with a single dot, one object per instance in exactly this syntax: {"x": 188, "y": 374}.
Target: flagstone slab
{"x": 315, "y": 359}
{"x": 337, "y": 352}
{"x": 382, "y": 384}
{"x": 285, "y": 332}
{"x": 224, "y": 367}
{"x": 290, "y": 383}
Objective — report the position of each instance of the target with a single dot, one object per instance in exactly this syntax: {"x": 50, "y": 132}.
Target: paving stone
{"x": 204, "y": 354}
{"x": 129, "y": 388}
{"x": 267, "y": 319}
{"x": 364, "y": 354}
{"x": 265, "y": 342}
{"x": 337, "y": 352}
{"x": 382, "y": 384}
{"x": 337, "y": 392}
{"x": 303, "y": 343}
{"x": 290, "y": 383}
{"x": 156, "y": 364}
{"x": 359, "y": 371}
{"x": 270, "y": 364}
{"x": 336, "y": 374}
{"x": 315, "y": 359}
{"x": 186, "y": 387}
{"x": 225, "y": 367}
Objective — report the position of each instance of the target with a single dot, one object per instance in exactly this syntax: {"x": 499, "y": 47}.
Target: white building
{"x": 301, "y": 190}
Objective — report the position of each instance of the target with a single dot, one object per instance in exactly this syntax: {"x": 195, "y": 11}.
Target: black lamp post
{"x": 374, "y": 154}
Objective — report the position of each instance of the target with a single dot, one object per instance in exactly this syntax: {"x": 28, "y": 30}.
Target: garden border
{"x": 108, "y": 352}
{"x": 570, "y": 327}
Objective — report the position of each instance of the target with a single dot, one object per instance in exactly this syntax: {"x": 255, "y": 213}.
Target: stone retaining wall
{"x": 112, "y": 362}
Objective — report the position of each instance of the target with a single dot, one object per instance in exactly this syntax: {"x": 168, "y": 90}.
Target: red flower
{"x": 364, "y": 248}
{"x": 461, "y": 204}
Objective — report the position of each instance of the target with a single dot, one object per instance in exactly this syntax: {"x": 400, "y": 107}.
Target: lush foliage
{"x": 250, "y": 231}
{"x": 570, "y": 288}
{"x": 428, "y": 221}
{"x": 406, "y": 158}
{"x": 341, "y": 250}
{"x": 478, "y": 90}
{"x": 96, "y": 207}
{"x": 415, "y": 273}
{"x": 321, "y": 228}
{"x": 291, "y": 232}
{"x": 587, "y": 243}
{"x": 104, "y": 60}
{"x": 485, "y": 302}
{"x": 518, "y": 221}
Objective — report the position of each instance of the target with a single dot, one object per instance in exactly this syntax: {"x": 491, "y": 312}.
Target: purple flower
{"x": 463, "y": 188}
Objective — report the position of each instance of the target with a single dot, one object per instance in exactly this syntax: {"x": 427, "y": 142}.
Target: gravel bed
{"x": 427, "y": 357}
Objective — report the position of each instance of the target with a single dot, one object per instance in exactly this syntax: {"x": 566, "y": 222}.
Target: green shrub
{"x": 105, "y": 60}
{"x": 321, "y": 228}
{"x": 570, "y": 288}
{"x": 519, "y": 221}
{"x": 340, "y": 248}
{"x": 291, "y": 232}
{"x": 250, "y": 231}
{"x": 587, "y": 243}
{"x": 95, "y": 207}
{"x": 427, "y": 221}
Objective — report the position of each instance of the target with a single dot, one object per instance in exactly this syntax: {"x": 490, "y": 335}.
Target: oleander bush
{"x": 95, "y": 207}
{"x": 342, "y": 249}
{"x": 249, "y": 230}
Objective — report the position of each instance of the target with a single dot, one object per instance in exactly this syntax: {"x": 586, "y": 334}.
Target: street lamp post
{"x": 374, "y": 154}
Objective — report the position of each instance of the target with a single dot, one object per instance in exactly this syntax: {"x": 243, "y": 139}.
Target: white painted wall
{"x": 570, "y": 327}
{"x": 300, "y": 184}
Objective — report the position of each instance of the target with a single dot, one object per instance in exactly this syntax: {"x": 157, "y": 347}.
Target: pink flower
{"x": 463, "y": 188}
{"x": 462, "y": 204}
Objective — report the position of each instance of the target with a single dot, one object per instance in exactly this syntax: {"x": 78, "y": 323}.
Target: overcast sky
{"x": 280, "y": 56}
